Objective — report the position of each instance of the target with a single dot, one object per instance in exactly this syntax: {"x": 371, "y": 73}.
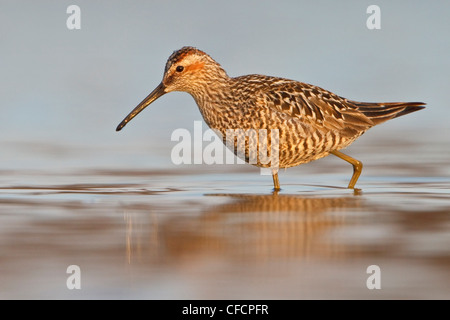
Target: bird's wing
{"x": 313, "y": 105}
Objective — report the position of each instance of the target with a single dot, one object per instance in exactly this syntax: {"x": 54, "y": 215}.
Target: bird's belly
{"x": 271, "y": 140}
{"x": 283, "y": 146}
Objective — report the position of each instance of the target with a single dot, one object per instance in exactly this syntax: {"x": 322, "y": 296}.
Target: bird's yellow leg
{"x": 357, "y": 167}
{"x": 276, "y": 183}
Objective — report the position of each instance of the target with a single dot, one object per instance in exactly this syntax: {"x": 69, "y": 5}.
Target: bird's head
{"x": 189, "y": 70}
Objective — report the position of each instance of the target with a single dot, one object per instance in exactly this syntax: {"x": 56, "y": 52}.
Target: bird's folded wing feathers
{"x": 314, "y": 106}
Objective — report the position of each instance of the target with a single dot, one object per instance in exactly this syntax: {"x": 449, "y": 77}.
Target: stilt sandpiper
{"x": 311, "y": 122}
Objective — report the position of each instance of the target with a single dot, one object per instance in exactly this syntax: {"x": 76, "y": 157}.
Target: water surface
{"x": 220, "y": 232}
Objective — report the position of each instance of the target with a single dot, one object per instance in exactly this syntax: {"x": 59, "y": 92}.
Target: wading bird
{"x": 311, "y": 122}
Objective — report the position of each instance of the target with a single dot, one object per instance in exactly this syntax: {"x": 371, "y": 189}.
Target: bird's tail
{"x": 381, "y": 112}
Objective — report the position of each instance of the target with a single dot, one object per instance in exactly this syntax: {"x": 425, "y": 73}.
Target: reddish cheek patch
{"x": 196, "y": 66}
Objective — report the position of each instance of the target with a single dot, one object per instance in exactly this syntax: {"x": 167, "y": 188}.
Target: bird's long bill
{"x": 155, "y": 94}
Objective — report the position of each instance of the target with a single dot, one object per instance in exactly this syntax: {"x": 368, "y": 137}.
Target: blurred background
{"x": 74, "y": 191}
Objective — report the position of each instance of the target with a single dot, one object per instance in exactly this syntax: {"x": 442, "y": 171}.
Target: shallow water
{"x": 201, "y": 232}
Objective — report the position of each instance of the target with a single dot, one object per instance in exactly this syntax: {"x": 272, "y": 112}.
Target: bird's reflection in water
{"x": 245, "y": 227}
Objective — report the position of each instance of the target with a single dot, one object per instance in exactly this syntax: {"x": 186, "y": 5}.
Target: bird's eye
{"x": 179, "y": 68}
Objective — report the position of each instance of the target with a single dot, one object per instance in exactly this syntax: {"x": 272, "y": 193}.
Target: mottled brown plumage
{"x": 311, "y": 122}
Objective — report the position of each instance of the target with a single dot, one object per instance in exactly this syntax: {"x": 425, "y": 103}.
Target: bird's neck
{"x": 212, "y": 99}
